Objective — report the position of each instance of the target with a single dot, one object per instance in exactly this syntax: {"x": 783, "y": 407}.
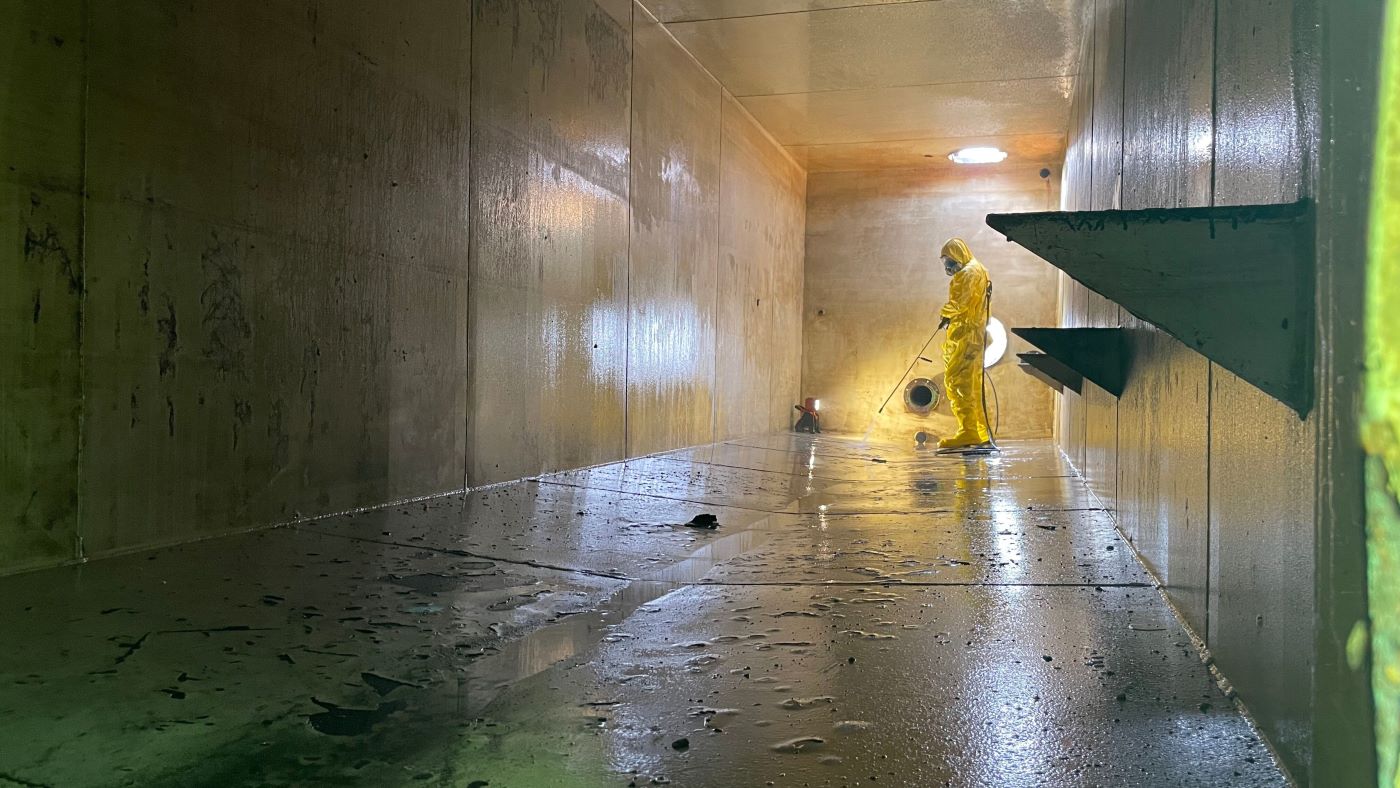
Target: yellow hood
{"x": 956, "y": 250}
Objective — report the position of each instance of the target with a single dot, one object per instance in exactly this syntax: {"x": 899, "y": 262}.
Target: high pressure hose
{"x": 987, "y": 378}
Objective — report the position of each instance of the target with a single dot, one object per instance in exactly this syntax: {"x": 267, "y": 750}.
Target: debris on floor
{"x": 849, "y": 609}
{"x": 704, "y": 520}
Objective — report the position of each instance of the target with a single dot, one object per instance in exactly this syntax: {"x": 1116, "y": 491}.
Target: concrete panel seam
{"x": 719, "y": 253}
{"x": 895, "y": 86}
{"x": 79, "y": 549}
{"x": 631, "y": 221}
{"x": 169, "y": 543}
{"x": 468, "y": 447}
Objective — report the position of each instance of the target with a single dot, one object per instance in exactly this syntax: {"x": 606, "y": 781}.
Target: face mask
{"x": 949, "y": 267}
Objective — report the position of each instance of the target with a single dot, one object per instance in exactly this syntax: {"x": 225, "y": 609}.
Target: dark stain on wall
{"x": 610, "y": 71}
{"x": 46, "y": 247}
{"x": 242, "y": 417}
{"x": 547, "y": 45}
{"x": 310, "y": 378}
{"x": 225, "y": 321}
{"x": 168, "y": 327}
{"x": 280, "y": 440}
{"x": 28, "y": 507}
{"x": 143, "y": 296}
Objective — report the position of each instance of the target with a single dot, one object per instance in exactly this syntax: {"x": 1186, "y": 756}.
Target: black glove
{"x": 942, "y": 324}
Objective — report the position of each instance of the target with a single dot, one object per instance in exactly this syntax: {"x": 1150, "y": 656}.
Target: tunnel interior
{"x": 489, "y": 393}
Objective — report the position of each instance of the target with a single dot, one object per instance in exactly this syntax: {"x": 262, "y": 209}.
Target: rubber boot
{"x": 963, "y": 440}
{"x": 965, "y": 443}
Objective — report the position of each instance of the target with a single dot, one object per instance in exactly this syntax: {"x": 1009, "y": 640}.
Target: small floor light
{"x": 809, "y": 420}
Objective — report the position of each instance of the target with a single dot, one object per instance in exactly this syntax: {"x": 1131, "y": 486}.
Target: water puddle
{"x": 341, "y": 721}
{"x": 578, "y": 634}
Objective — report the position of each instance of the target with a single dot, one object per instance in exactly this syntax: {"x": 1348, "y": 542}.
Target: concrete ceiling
{"x": 858, "y": 84}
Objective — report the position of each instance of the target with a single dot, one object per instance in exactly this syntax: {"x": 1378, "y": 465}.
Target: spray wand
{"x": 917, "y": 359}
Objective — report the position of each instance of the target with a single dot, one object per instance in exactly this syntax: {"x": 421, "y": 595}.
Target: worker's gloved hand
{"x": 942, "y": 324}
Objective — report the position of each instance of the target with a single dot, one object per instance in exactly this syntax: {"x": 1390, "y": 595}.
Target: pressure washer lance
{"x": 986, "y": 378}
{"x": 917, "y": 359}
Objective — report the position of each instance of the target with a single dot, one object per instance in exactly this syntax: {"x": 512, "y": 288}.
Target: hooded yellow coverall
{"x": 965, "y": 345}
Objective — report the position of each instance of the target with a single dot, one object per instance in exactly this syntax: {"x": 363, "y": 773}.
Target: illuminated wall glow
{"x": 874, "y": 286}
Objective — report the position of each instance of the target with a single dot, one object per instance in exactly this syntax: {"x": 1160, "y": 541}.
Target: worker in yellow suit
{"x": 965, "y": 317}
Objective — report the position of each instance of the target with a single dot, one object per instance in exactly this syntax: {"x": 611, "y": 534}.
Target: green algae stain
{"x": 1381, "y": 424}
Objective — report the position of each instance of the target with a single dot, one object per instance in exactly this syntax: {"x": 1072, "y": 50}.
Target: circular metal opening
{"x": 921, "y": 396}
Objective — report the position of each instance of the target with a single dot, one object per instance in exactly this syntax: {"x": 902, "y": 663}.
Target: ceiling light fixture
{"x": 977, "y": 155}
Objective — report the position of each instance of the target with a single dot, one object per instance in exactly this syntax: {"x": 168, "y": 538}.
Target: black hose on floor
{"x": 987, "y": 378}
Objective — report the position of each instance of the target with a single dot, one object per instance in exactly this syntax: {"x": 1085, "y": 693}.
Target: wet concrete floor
{"x": 863, "y": 614}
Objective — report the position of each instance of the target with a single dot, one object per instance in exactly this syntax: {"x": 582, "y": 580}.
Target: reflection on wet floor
{"x": 863, "y": 614}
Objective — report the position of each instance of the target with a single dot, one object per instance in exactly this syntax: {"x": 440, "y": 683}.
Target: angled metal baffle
{"x": 1051, "y": 372}
{"x": 1098, "y": 355}
{"x": 1235, "y": 284}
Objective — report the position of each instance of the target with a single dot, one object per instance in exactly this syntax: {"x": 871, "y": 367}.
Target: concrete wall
{"x": 41, "y": 219}
{"x": 675, "y": 247}
{"x": 1182, "y": 104}
{"x": 552, "y": 119}
{"x": 233, "y": 327}
{"x": 273, "y": 263}
{"x": 759, "y": 305}
{"x": 636, "y": 246}
{"x": 874, "y": 284}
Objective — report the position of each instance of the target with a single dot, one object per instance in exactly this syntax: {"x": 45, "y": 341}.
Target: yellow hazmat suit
{"x": 965, "y": 345}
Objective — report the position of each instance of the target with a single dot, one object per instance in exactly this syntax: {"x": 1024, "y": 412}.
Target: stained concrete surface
{"x": 40, "y": 223}
{"x": 763, "y": 218}
{"x": 1263, "y": 537}
{"x": 276, "y": 288}
{"x": 262, "y": 265}
{"x": 547, "y": 371}
{"x": 229, "y": 258}
{"x": 1187, "y": 104}
{"x": 674, "y": 250}
{"x": 976, "y": 622}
